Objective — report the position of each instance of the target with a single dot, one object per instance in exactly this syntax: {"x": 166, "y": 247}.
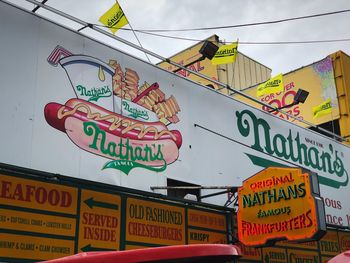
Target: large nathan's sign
{"x": 75, "y": 107}
{"x": 280, "y": 203}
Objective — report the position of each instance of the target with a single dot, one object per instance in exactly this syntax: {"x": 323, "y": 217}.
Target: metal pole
{"x": 37, "y": 7}
{"x": 175, "y": 64}
{"x": 192, "y": 187}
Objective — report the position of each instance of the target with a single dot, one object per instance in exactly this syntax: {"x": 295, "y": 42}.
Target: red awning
{"x": 341, "y": 258}
{"x": 186, "y": 253}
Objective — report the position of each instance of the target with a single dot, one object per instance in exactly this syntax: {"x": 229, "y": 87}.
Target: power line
{"x": 255, "y": 42}
{"x": 249, "y": 24}
{"x": 248, "y": 42}
{"x": 234, "y": 26}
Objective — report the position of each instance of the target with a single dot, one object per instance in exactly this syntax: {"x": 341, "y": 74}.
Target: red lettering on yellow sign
{"x": 29, "y": 193}
{"x": 276, "y": 203}
{"x": 99, "y": 226}
{"x": 38, "y": 195}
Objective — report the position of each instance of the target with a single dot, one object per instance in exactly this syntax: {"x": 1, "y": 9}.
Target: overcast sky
{"x": 181, "y": 14}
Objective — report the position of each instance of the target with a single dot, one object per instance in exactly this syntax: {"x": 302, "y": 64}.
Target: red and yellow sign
{"x": 329, "y": 244}
{"x": 276, "y": 255}
{"x": 276, "y": 203}
{"x": 205, "y": 237}
{"x": 311, "y": 245}
{"x": 318, "y": 79}
{"x": 344, "y": 241}
{"x": 204, "y": 219}
{"x": 32, "y": 222}
{"x": 249, "y": 253}
{"x": 296, "y": 256}
{"x": 35, "y": 248}
{"x": 99, "y": 227}
{"x": 21, "y": 192}
{"x": 154, "y": 223}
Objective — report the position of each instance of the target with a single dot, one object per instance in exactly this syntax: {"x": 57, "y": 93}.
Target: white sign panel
{"x": 73, "y": 106}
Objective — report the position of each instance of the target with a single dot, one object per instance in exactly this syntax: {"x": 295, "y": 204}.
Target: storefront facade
{"x": 86, "y": 123}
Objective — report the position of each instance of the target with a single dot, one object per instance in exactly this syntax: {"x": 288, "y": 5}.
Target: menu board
{"x": 43, "y": 219}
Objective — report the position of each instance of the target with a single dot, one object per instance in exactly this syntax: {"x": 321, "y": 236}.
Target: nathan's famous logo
{"x": 226, "y": 52}
{"x": 291, "y": 148}
{"x": 126, "y": 123}
{"x": 116, "y": 18}
{"x": 271, "y": 84}
{"x": 94, "y": 93}
{"x": 134, "y": 112}
{"x": 271, "y": 194}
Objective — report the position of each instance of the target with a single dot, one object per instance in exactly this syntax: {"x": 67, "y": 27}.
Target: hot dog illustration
{"x": 116, "y": 124}
{"x": 114, "y": 117}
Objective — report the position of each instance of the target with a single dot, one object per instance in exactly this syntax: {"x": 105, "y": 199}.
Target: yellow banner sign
{"x": 311, "y": 245}
{"x": 99, "y": 227}
{"x": 323, "y": 109}
{"x": 205, "y": 237}
{"x": 329, "y": 244}
{"x": 276, "y": 203}
{"x": 206, "y": 220}
{"x": 225, "y": 54}
{"x": 276, "y": 255}
{"x": 344, "y": 241}
{"x": 34, "y": 248}
{"x": 296, "y": 256}
{"x": 21, "y": 192}
{"x": 114, "y": 18}
{"x": 317, "y": 79}
{"x": 31, "y": 222}
{"x": 273, "y": 85}
{"x": 250, "y": 253}
{"x": 154, "y": 223}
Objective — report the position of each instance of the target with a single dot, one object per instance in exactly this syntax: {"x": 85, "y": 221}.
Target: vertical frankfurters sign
{"x": 280, "y": 204}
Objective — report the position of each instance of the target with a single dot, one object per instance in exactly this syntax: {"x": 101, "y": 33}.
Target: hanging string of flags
{"x": 272, "y": 85}
{"x": 225, "y": 54}
{"x": 323, "y": 109}
{"x": 114, "y": 18}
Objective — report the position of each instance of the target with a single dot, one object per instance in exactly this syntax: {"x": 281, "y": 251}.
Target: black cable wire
{"x": 234, "y": 26}
{"x": 249, "y": 24}
{"x": 246, "y": 42}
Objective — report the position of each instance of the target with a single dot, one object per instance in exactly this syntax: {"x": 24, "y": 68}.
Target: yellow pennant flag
{"x": 323, "y": 109}
{"x": 114, "y": 18}
{"x": 225, "y": 54}
{"x": 272, "y": 85}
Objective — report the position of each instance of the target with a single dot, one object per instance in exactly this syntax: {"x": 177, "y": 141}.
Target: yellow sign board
{"x": 275, "y": 204}
{"x": 204, "y": 67}
{"x": 26, "y": 221}
{"x": 311, "y": 245}
{"x": 249, "y": 253}
{"x": 329, "y": 244}
{"x": 42, "y": 220}
{"x": 35, "y": 248}
{"x": 154, "y": 223}
{"x": 99, "y": 226}
{"x": 296, "y": 256}
{"x": 208, "y": 220}
{"x": 344, "y": 241}
{"x": 272, "y": 85}
{"x": 317, "y": 79}
{"x": 21, "y": 192}
{"x": 205, "y": 237}
{"x": 276, "y": 255}
{"x": 225, "y": 54}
